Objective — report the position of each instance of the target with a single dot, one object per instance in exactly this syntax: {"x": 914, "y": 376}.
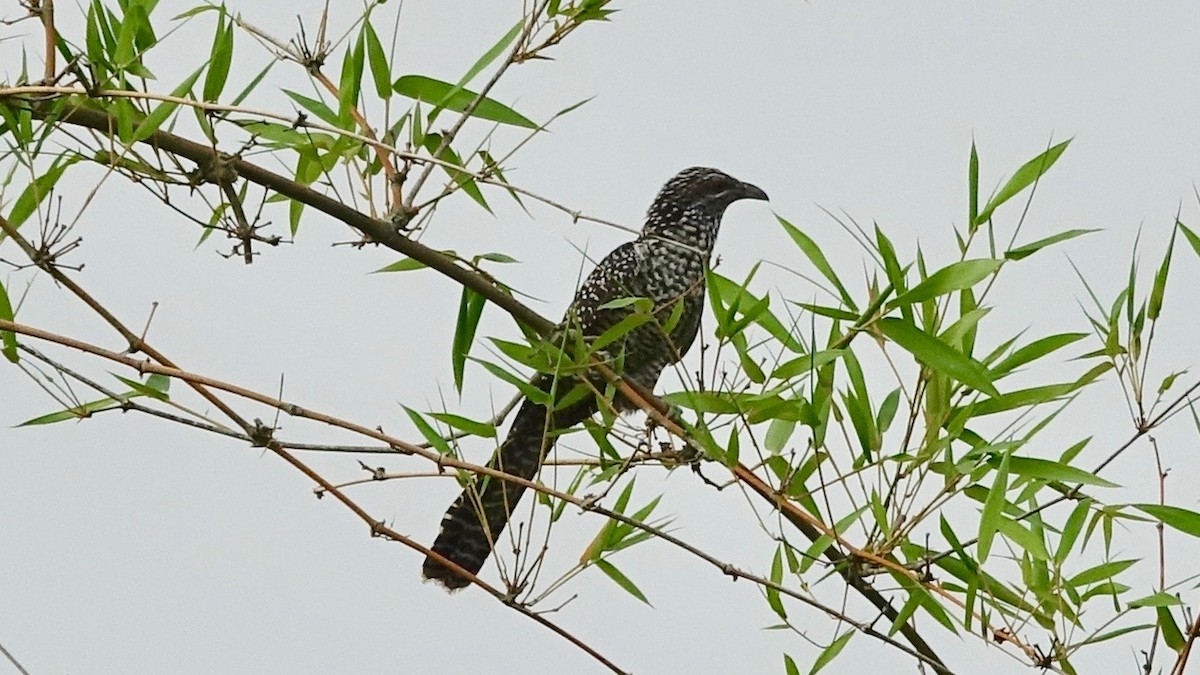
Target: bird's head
{"x": 689, "y": 207}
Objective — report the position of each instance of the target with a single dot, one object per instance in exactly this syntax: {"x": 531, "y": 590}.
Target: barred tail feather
{"x": 476, "y": 519}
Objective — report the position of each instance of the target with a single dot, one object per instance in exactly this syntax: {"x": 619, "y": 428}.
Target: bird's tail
{"x": 475, "y": 520}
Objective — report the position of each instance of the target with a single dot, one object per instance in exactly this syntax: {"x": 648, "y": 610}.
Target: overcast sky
{"x": 129, "y": 545}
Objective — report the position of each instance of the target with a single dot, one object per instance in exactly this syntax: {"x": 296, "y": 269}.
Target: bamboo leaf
{"x": 37, "y": 190}
{"x": 8, "y": 339}
{"x": 993, "y": 510}
{"x": 466, "y": 424}
{"x": 814, "y": 254}
{"x": 470, "y": 308}
{"x": 1101, "y": 572}
{"x": 380, "y": 71}
{"x": 805, "y": 365}
{"x": 163, "y": 110}
{"x": 1184, "y": 520}
{"x": 1170, "y": 630}
{"x": 1025, "y": 176}
{"x": 462, "y": 178}
{"x": 1034, "y": 351}
{"x": 315, "y": 107}
{"x": 1071, "y": 530}
{"x": 1026, "y": 250}
{"x": 955, "y": 277}
{"x": 831, "y": 652}
{"x": 446, "y": 95}
{"x": 1160, "y": 281}
{"x": 1159, "y": 599}
{"x": 937, "y": 355}
{"x": 621, "y": 580}
{"x": 1051, "y": 470}
{"x": 973, "y": 185}
{"x": 431, "y": 435}
{"x": 219, "y": 59}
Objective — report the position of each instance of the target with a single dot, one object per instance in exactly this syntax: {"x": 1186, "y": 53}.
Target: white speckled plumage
{"x": 666, "y": 264}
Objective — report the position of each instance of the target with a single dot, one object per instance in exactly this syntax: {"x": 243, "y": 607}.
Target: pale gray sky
{"x": 128, "y": 545}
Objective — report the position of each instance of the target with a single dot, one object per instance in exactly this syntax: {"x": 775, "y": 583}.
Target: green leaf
{"x": 1191, "y": 237}
{"x": 1021, "y": 398}
{"x": 887, "y": 410}
{"x": 199, "y": 9}
{"x": 8, "y": 339}
{"x": 789, "y": 666}
{"x": 1071, "y": 530}
{"x": 778, "y": 434}
{"x": 621, "y": 580}
{"x": 1117, "y": 633}
{"x": 163, "y": 110}
{"x": 1025, "y": 538}
{"x": 830, "y": 653}
{"x": 219, "y": 59}
{"x": 814, "y": 254}
{"x": 466, "y": 424}
{"x": 1101, "y": 572}
{"x": 155, "y": 386}
{"x": 446, "y": 95}
{"x": 1160, "y": 281}
{"x": 805, "y": 365}
{"x": 993, "y": 510}
{"x": 484, "y": 61}
{"x": 1030, "y": 172}
{"x": 529, "y": 390}
{"x": 773, "y": 598}
{"x": 1160, "y": 599}
{"x": 350, "y": 82}
{"x": 831, "y": 312}
{"x": 37, "y": 190}
{"x": 496, "y": 257}
{"x": 402, "y": 265}
{"x": 380, "y": 71}
{"x": 937, "y": 355}
{"x": 619, "y": 330}
{"x": 1170, "y": 630}
{"x": 462, "y": 178}
{"x": 253, "y": 83}
{"x": 1183, "y": 520}
{"x": 1026, "y": 250}
{"x": 730, "y": 293}
{"x": 315, "y": 107}
{"x": 79, "y": 412}
{"x": 1034, "y": 351}
{"x": 470, "y": 308}
{"x": 973, "y": 185}
{"x": 1051, "y": 470}
{"x": 954, "y": 277}
{"x": 135, "y": 19}
{"x": 431, "y": 435}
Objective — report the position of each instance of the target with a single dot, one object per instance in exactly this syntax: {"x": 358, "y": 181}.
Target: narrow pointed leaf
{"x": 446, "y": 95}
{"x": 1025, "y": 176}
{"x": 1026, "y": 250}
{"x": 814, "y": 254}
{"x": 955, "y": 277}
{"x": 938, "y": 356}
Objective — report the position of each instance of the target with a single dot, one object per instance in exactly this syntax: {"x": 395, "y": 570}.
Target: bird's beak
{"x": 753, "y": 192}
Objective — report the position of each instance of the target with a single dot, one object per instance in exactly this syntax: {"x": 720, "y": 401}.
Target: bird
{"x": 666, "y": 263}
